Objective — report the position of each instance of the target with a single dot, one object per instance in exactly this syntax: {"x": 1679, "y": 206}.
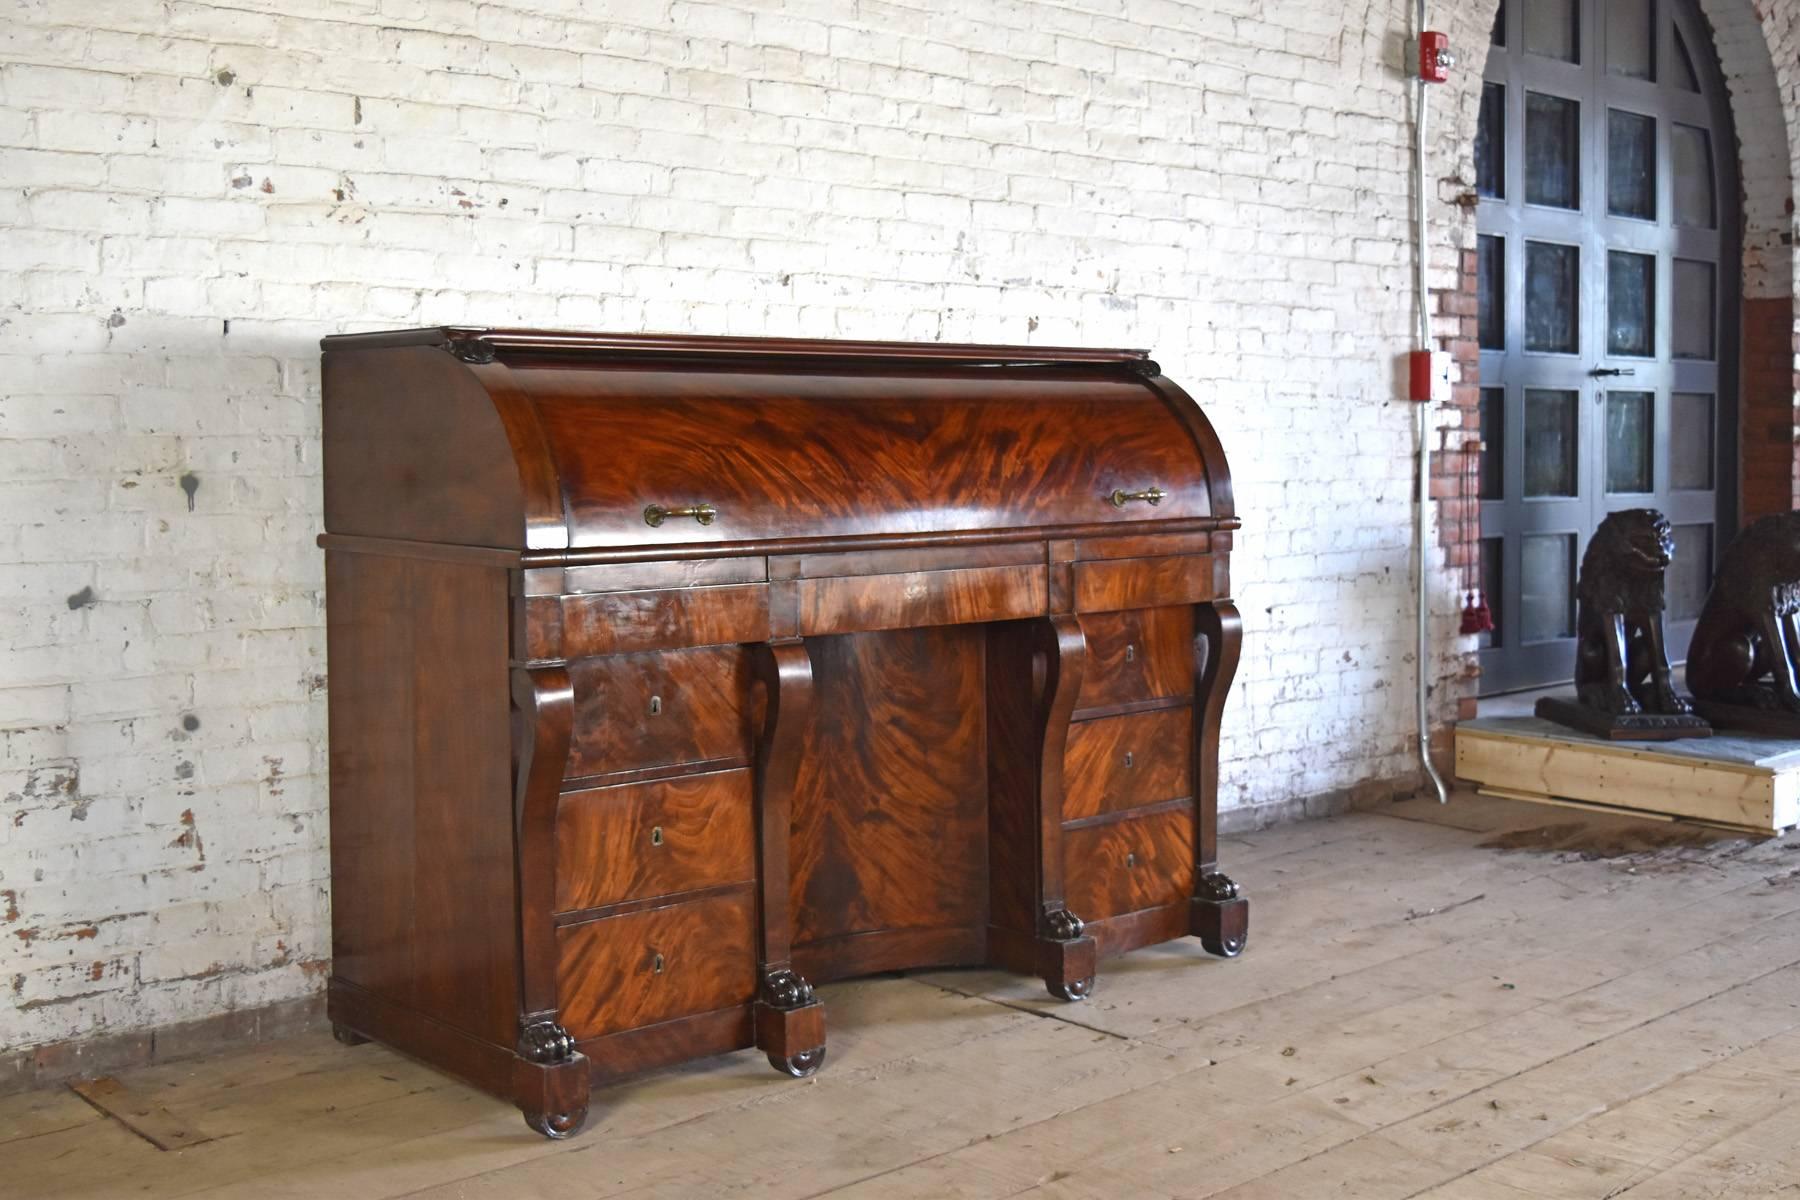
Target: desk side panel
{"x": 423, "y": 907}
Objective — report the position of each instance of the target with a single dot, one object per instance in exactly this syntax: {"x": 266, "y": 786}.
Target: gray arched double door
{"x": 1608, "y": 283}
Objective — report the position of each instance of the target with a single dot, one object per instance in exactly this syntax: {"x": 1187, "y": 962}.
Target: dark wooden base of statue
{"x": 1746, "y": 718}
{"x": 1633, "y": 727}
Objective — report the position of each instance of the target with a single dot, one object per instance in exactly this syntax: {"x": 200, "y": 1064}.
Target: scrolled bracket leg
{"x": 550, "y": 1080}
{"x": 790, "y": 1024}
{"x": 1067, "y": 956}
{"x": 1220, "y": 917}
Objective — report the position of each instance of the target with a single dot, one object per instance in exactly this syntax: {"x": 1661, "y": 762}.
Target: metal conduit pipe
{"x": 1422, "y": 524}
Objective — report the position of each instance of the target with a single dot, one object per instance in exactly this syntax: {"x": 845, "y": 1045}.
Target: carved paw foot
{"x": 1605, "y": 698}
{"x": 1666, "y": 700}
{"x": 557, "y": 1126}
{"x": 544, "y": 1041}
{"x": 784, "y": 989}
{"x": 347, "y": 1035}
{"x": 1071, "y": 990}
{"x": 800, "y": 1065}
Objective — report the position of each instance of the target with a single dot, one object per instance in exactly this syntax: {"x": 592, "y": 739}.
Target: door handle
{"x": 1612, "y": 372}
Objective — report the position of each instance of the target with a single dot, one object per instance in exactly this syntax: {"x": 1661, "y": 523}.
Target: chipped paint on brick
{"x": 189, "y": 839}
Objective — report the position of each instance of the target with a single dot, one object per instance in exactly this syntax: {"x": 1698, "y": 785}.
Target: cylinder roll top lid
{"x": 564, "y": 442}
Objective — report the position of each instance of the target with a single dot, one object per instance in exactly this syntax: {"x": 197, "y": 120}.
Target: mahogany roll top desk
{"x": 671, "y": 676}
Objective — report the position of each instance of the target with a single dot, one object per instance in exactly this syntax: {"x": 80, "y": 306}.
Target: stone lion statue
{"x": 1621, "y": 661}
{"x": 1749, "y": 632}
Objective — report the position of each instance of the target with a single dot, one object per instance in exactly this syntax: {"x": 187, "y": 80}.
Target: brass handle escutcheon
{"x": 1150, "y": 495}
{"x": 656, "y": 514}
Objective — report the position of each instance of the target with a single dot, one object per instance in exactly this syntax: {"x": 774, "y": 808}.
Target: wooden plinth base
{"x": 1735, "y": 780}
{"x": 1768, "y": 722}
{"x": 1636, "y": 727}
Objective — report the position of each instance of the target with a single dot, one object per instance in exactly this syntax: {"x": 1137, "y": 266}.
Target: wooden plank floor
{"x": 1495, "y": 1000}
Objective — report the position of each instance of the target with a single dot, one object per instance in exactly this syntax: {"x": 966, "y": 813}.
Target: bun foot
{"x": 1221, "y": 917}
{"x": 1224, "y": 947}
{"x": 347, "y": 1035}
{"x": 1073, "y": 989}
{"x": 557, "y": 1126}
{"x": 800, "y": 1065}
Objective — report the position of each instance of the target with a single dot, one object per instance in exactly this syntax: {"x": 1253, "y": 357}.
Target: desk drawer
{"x": 641, "y": 840}
{"x": 1138, "y": 582}
{"x": 1142, "y": 654}
{"x": 1130, "y": 864}
{"x": 1116, "y": 763}
{"x": 660, "y": 709}
{"x": 657, "y": 964}
{"x": 909, "y": 600}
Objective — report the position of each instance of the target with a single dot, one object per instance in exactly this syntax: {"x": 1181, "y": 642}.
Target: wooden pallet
{"x": 1734, "y": 780}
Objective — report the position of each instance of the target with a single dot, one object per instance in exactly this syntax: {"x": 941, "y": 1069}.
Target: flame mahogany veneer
{"x": 671, "y": 676}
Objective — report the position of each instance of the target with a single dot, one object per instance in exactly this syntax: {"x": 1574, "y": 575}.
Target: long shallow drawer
{"x": 1143, "y": 654}
{"x": 1116, "y": 763}
{"x": 1143, "y": 582}
{"x": 663, "y": 708}
{"x": 640, "y": 840}
{"x": 1131, "y": 864}
{"x": 909, "y": 600}
{"x": 575, "y": 626}
{"x": 657, "y": 964}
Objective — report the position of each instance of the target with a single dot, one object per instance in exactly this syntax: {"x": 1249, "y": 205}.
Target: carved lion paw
{"x": 784, "y": 989}
{"x": 1665, "y": 699}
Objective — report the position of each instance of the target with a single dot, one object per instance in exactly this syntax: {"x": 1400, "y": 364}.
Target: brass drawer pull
{"x": 1150, "y": 495}
{"x": 656, "y": 514}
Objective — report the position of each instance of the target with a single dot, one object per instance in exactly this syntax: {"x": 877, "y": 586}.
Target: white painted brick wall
{"x": 192, "y": 193}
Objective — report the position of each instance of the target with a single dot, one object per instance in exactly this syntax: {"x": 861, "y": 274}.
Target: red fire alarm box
{"x": 1429, "y": 376}
{"x": 1435, "y": 59}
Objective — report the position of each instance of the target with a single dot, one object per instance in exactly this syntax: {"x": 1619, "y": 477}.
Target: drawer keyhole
{"x": 1131, "y": 859}
{"x": 656, "y": 836}
{"x": 656, "y": 965}
{"x": 1129, "y": 761}
{"x": 656, "y": 706}
{"x": 1130, "y": 653}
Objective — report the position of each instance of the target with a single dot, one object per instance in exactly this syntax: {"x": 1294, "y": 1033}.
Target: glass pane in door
{"x": 1694, "y": 334}
{"x": 1493, "y": 443}
{"x": 1492, "y": 588}
{"x": 1552, "y": 29}
{"x": 1630, "y": 37}
{"x": 1691, "y": 441}
{"x": 1630, "y": 304}
{"x": 1490, "y": 287}
{"x": 1552, "y": 298}
{"x": 1691, "y": 150}
{"x": 1552, "y": 443}
{"x": 1547, "y": 591}
{"x": 1686, "y": 78}
{"x": 1630, "y": 165}
{"x": 1630, "y": 425}
{"x": 1490, "y": 142}
{"x": 1690, "y": 573}
{"x": 1552, "y": 151}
